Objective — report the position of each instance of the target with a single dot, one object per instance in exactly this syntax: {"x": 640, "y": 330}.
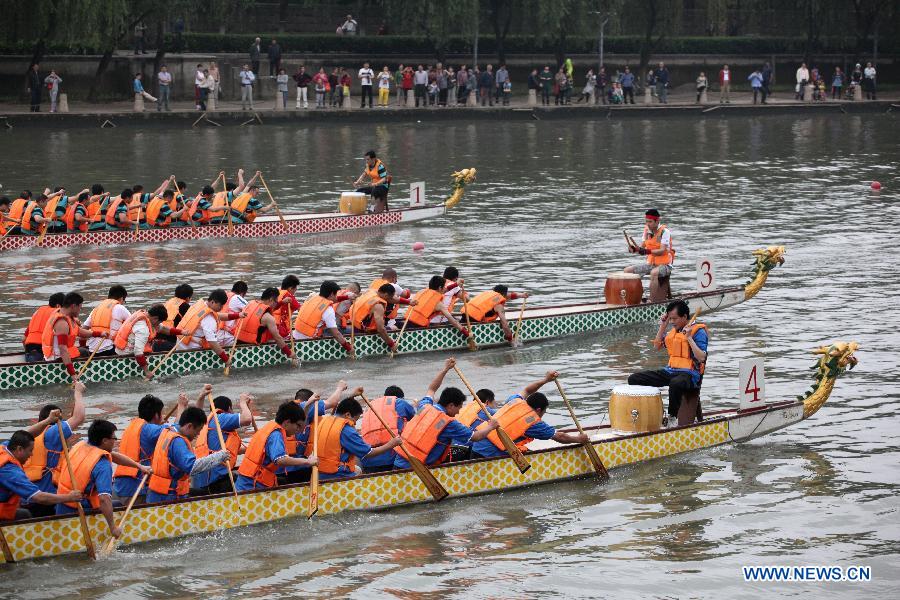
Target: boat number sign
{"x": 706, "y": 275}
{"x": 417, "y": 194}
{"x": 752, "y": 383}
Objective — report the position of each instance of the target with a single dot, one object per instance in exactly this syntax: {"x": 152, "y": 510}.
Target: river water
{"x": 546, "y": 215}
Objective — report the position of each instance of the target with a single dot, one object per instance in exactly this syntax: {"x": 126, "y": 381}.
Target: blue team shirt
{"x": 229, "y": 422}
{"x": 101, "y": 482}
{"x": 351, "y": 444}
{"x": 53, "y": 444}
{"x": 274, "y": 450}
{"x": 405, "y": 412}
{"x": 702, "y": 341}
{"x": 538, "y": 431}
{"x": 302, "y": 437}
{"x": 123, "y": 486}
{"x": 454, "y": 433}
{"x": 14, "y": 482}
{"x": 181, "y": 460}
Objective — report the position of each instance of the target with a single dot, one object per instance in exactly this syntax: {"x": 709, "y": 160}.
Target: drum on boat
{"x": 623, "y": 288}
{"x": 353, "y": 203}
{"x": 635, "y": 408}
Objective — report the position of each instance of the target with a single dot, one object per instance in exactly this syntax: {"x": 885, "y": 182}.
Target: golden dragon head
{"x": 460, "y": 179}
{"x": 765, "y": 259}
{"x": 833, "y": 362}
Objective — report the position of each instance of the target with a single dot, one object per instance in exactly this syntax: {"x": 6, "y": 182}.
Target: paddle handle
{"x": 402, "y": 329}
{"x": 272, "y": 200}
{"x": 113, "y": 541}
{"x": 237, "y": 330}
{"x": 471, "y": 340}
{"x": 85, "y": 532}
{"x": 595, "y": 459}
{"x": 221, "y": 437}
{"x": 519, "y": 321}
{"x": 163, "y": 361}
{"x": 352, "y": 332}
{"x": 313, "y": 507}
{"x": 84, "y": 367}
{"x": 7, "y": 551}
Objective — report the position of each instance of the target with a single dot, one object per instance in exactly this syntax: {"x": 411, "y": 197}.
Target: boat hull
{"x": 537, "y": 324}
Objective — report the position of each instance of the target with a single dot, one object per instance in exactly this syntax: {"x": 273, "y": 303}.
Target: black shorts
{"x": 376, "y": 191}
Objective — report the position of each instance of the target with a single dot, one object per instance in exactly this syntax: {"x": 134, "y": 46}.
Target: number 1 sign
{"x": 417, "y": 194}
{"x": 752, "y": 383}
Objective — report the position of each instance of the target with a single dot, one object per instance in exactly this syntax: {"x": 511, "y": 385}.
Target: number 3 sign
{"x": 706, "y": 277}
{"x": 752, "y": 383}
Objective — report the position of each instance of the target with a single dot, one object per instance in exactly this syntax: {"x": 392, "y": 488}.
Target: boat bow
{"x": 835, "y": 360}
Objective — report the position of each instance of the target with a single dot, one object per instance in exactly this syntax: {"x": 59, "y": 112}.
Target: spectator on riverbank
{"x": 35, "y": 84}
{"x": 452, "y": 87}
{"x": 626, "y": 82}
{"x": 320, "y": 80}
{"x": 384, "y": 86}
{"x": 837, "y": 83}
{"x": 274, "y": 53}
{"x": 462, "y": 84}
{"x": 346, "y": 82}
{"x": 247, "y": 77}
{"x": 869, "y": 81}
{"x": 255, "y": 53}
{"x": 334, "y": 82}
{"x": 590, "y": 84}
{"x": 349, "y": 27}
{"x": 534, "y": 83}
{"x": 216, "y": 82}
{"x": 755, "y": 79}
{"x": 398, "y": 82}
{"x": 802, "y": 79}
{"x": 164, "y": 79}
{"x": 486, "y": 85}
{"x": 281, "y": 80}
{"x": 501, "y": 78}
{"x": 206, "y": 89}
{"x": 420, "y": 80}
{"x": 662, "y": 84}
{"x": 406, "y": 84}
{"x": 198, "y": 81}
{"x": 767, "y": 81}
{"x": 650, "y": 82}
{"x": 139, "y": 30}
{"x": 366, "y": 77}
{"x": 442, "y": 79}
{"x": 856, "y": 81}
{"x": 725, "y": 85}
{"x": 52, "y": 81}
{"x": 702, "y": 84}
{"x": 602, "y": 84}
{"x": 138, "y": 87}
{"x": 302, "y": 79}
{"x": 546, "y": 80}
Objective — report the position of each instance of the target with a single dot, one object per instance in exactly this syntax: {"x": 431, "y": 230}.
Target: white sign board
{"x": 706, "y": 275}
{"x": 752, "y": 383}
{"x": 417, "y": 194}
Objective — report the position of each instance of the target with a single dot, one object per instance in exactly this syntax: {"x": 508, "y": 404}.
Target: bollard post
{"x": 808, "y": 93}
{"x": 347, "y": 103}
{"x": 648, "y": 95}
{"x": 63, "y": 105}
{"x": 704, "y": 98}
{"x": 532, "y": 97}
{"x": 410, "y": 97}
{"x": 138, "y": 103}
{"x": 472, "y": 101}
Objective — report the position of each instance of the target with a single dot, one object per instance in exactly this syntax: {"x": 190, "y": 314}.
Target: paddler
{"x": 162, "y": 211}
{"x": 521, "y": 417}
{"x": 245, "y": 204}
{"x": 472, "y": 416}
{"x": 490, "y": 306}
{"x": 216, "y": 480}
{"x": 431, "y": 433}
{"x": 453, "y": 291}
{"x": 76, "y": 218}
{"x": 43, "y": 466}
{"x": 139, "y": 440}
{"x": 16, "y": 488}
{"x": 317, "y": 315}
{"x": 656, "y": 245}
{"x": 396, "y": 412}
{"x": 107, "y": 318}
{"x": 16, "y": 211}
{"x": 430, "y": 307}
{"x": 378, "y": 179}
{"x": 686, "y": 345}
{"x": 257, "y": 325}
{"x": 199, "y": 326}
{"x": 92, "y": 462}
{"x": 174, "y": 462}
{"x": 287, "y": 304}
{"x": 138, "y": 332}
{"x": 266, "y": 452}
{"x": 31, "y": 340}
{"x": 61, "y": 332}
{"x": 202, "y": 206}
{"x": 369, "y": 312}
{"x": 140, "y": 200}
{"x": 342, "y": 308}
{"x": 236, "y": 302}
{"x": 5, "y": 222}
{"x": 33, "y": 219}
{"x": 56, "y": 209}
{"x": 95, "y": 207}
{"x": 176, "y": 307}
{"x": 116, "y": 212}
{"x": 298, "y": 445}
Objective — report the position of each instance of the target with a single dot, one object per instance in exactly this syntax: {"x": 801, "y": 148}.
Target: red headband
{"x": 654, "y": 217}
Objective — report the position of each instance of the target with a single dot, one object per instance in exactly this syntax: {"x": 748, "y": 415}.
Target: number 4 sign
{"x": 417, "y": 194}
{"x": 706, "y": 277}
{"x": 752, "y": 383}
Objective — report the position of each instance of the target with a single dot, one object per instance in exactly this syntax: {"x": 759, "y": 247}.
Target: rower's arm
{"x": 62, "y": 333}
{"x": 295, "y": 461}
{"x": 450, "y": 318}
{"x": 535, "y": 386}
{"x": 378, "y": 317}
{"x": 386, "y": 447}
{"x": 246, "y": 415}
{"x": 106, "y": 509}
{"x": 335, "y": 398}
{"x": 162, "y": 187}
{"x": 697, "y": 352}
{"x": 482, "y": 432}
{"x": 39, "y": 427}
{"x": 203, "y": 395}
{"x": 438, "y": 380}
{"x": 240, "y": 180}
{"x": 570, "y": 438}
{"x": 120, "y": 459}
{"x": 272, "y": 327}
{"x": 504, "y": 323}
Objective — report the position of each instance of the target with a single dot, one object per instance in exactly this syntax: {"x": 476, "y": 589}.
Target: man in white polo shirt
{"x": 107, "y": 318}
{"x": 366, "y": 75}
{"x": 247, "y": 78}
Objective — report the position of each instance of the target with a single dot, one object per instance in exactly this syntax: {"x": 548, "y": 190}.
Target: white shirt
{"x": 198, "y": 78}
{"x": 329, "y": 320}
{"x": 384, "y": 80}
{"x": 449, "y": 295}
{"x": 665, "y": 239}
{"x": 726, "y": 75}
{"x": 120, "y": 314}
{"x": 165, "y": 78}
{"x": 365, "y": 76}
{"x": 802, "y": 75}
{"x": 236, "y": 304}
{"x": 420, "y": 77}
{"x": 207, "y": 330}
{"x": 137, "y": 339}
{"x": 869, "y": 73}
{"x": 247, "y": 77}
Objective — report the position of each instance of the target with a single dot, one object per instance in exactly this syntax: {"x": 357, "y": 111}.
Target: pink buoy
{"x": 876, "y": 185}
{"x": 419, "y": 246}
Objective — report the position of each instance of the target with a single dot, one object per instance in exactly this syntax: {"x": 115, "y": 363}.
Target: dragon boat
{"x": 538, "y": 323}
{"x": 35, "y": 538}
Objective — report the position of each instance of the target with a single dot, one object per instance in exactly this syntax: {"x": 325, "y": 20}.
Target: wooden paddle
{"x": 352, "y": 333}
{"x": 516, "y": 342}
{"x": 40, "y": 239}
{"x": 272, "y": 200}
{"x": 163, "y": 361}
{"x": 313, "y": 507}
{"x": 230, "y": 219}
{"x": 521, "y": 462}
{"x": 84, "y": 367}
{"x": 402, "y": 329}
{"x": 434, "y": 487}
{"x": 291, "y": 333}
{"x": 137, "y": 222}
{"x": 237, "y": 329}
{"x": 602, "y": 473}
{"x": 7, "y": 551}
{"x": 470, "y": 341}
{"x": 85, "y": 532}
{"x": 215, "y": 417}
{"x": 628, "y": 240}
{"x": 111, "y": 544}
{"x": 186, "y": 206}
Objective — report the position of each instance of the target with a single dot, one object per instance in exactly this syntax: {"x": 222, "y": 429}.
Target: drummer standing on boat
{"x": 656, "y": 245}
{"x": 379, "y": 181}
{"x": 686, "y": 344}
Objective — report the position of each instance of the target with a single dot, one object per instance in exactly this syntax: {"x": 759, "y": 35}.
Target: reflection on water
{"x": 546, "y": 215}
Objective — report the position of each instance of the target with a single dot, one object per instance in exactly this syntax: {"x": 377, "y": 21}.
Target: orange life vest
{"x": 392, "y": 309}
{"x": 361, "y": 311}
{"x": 121, "y": 339}
{"x": 35, "y": 328}
{"x": 420, "y": 435}
{"x": 482, "y": 307}
{"x": 101, "y": 316}
{"x": 468, "y": 415}
{"x": 372, "y": 173}
{"x": 111, "y": 211}
{"x": 680, "y": 356}
{"x": 130, "y": 446}
{"x": 17, "y": 209}
{"x": 172, "y": 305}
{"x": 373, "y": 431}
{"x": 219, "y": 201}
{"x": 207, "y": 435}
{"x": 654, "y": 242}
{"x": 426, "y": 302}
{"x": 239, "y": 205}
{"x": 50, "y": 207}
{"x": 93, "y": 211}
{"x": 330, "y": 448}
{"x": 36, "y": 465}
{"x": 283, "y": 312}
{"x": 25, "y": 225}
{"x": 69, "y": 218}
{"x": 252, "y": 323}
{"x": 153, "y": 208}
{"x": 187, "y": 215}
{"x": 191, "y": 322}
{"x": 161, "y": 479}
{"x": 47, "y": 336}
{"x": 8, "y": 509}
{"x": 255, "y": 455}
{"x": 515, "y": 418}
{"x": 309, "y": 317}
{"x": 83, "y": 457}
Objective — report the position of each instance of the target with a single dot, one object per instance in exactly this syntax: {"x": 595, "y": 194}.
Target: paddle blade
{"x": 595, "y": 459}
{"x": 471, "y": 343}
{"x": 517, "y": 342}
{"x": 313, "y": 507}
{"x": 521, "y": 462}
{"x": 428, "y": 479}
